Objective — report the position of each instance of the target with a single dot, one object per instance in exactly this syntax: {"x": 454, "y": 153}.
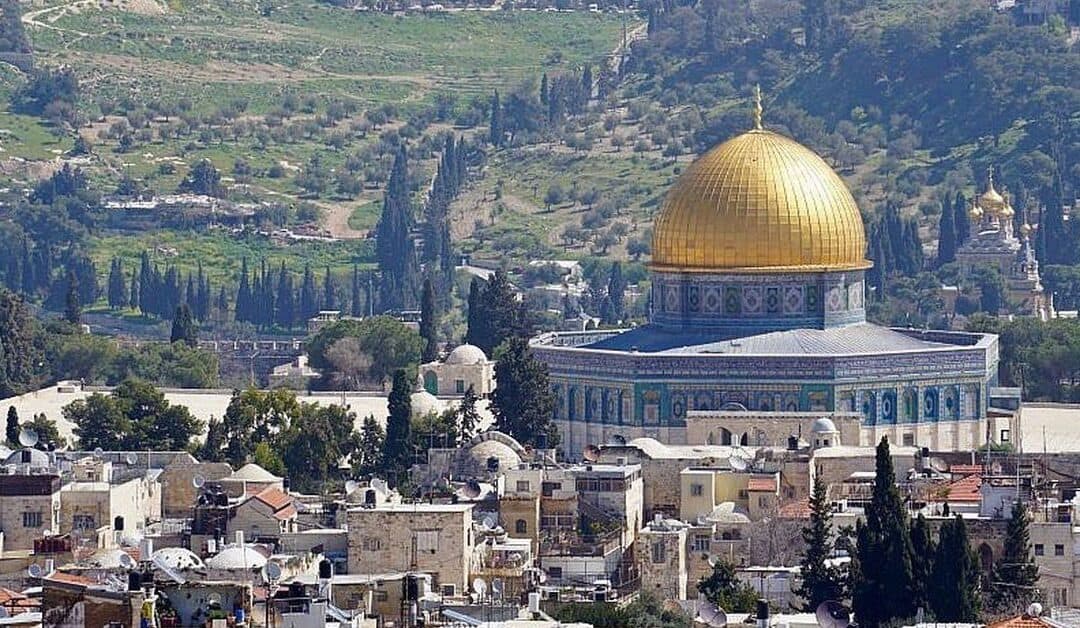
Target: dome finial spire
{"x": 990, "y": 177}
{"x": 757, "y": 107}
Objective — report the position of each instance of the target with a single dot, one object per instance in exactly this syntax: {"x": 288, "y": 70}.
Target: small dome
{"x": 235, "y": 557}
{"x": 424, "y": 403}
{"x": 466, "y": 354}
{"x": 38, "y": 458}
{"x": 179, "y": 558}
{"x": 252, "y": 472}
{"x": 482, "y": 452}
{"x": 824, "y": 425}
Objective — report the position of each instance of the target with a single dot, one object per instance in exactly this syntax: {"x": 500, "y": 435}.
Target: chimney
{"x": 762, "y": 613}
{"x": 240, "y": 538}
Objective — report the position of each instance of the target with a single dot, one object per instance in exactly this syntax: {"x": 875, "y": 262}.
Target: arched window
{"x": 521, "y": 527}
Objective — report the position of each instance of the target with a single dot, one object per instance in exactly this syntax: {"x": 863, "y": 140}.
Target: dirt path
{"x": 336, "y": 221}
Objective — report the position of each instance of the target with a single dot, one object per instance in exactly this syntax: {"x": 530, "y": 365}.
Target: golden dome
{"x": 975, "y": 213}
{"x": 759, "y": 202}
{"x": 1025, "y": 229}
{"x": 990, "y": 200}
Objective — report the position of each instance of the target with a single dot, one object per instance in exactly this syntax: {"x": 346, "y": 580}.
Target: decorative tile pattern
{"x": 752, "y": 300}
{"x": 793, "y": 300}
{"x": 772, "y": 300}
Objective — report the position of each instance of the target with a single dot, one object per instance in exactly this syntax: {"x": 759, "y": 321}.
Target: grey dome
{"x": 467, "y": 354}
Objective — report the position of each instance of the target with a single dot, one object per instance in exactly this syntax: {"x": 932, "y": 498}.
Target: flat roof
{"x": 417, "y": 507}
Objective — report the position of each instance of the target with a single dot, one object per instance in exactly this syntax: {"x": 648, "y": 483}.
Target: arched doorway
{"x": 725, "y": 436}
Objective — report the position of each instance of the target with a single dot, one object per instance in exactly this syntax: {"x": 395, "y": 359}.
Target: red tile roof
{"x": 964, "y": 490}
{"x": 70, "y": 578}
{"x": 762, "y": 483}
{"x": 280, "y": 503}
{"x": 15, "y": 602}
{"x": 1020, "y": 621}
{"x": 795, "y": 510}
{"x": 287, "y": 512}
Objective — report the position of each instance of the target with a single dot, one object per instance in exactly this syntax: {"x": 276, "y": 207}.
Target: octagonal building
{"x": 757, "y": 307}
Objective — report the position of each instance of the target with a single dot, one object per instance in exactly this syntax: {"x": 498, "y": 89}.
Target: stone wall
{"x": 383, "y": 540}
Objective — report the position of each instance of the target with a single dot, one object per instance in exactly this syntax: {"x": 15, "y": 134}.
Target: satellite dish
{"x": 471, "y": 490}
{"x": 98, "y": 452}
{"x": 214, "y": 598}
{"x": 28, "y": 437}
{"x": 198, "y": 481}
{"x": 380, "y": 485}
{"x": 160, "y": 562}
{"x": 273, "y": 571}
{"x": 490, "y": 522}
{"x": 497, "y": 587}
{"x": 738, "y": 464}
{"x": 127, "y": 562}
{"x": 711, "y": 614}
{"x": 591, "y": 453}
{"x": 479, "y": 586}
{"x": 35, "y": 571}
{"x": 939, "y": 465}
{"x": 131, "y": 458}
{"x": 832, "y": 614}
{"x": 713, "y": 561}
{"x": 351, "y": 486}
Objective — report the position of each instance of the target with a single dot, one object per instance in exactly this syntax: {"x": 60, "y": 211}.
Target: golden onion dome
{"x": 975, "y": 213}
{"x": 1025, "y": 229}
{"x": 759, "y": 202}
{"x": 991, "y": 200}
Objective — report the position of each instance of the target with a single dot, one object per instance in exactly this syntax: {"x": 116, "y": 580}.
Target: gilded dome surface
{"x": 759, "y": 202}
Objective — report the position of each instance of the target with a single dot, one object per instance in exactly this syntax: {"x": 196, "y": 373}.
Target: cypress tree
{"x": 586, "y": 87}
{"x": 286, "y": 305}
{"x": 922, "y": 547}
{"x": 946, "y": 235}
{"x": 72, "y": 306}
{"x": 474, "y": 323}
{"x": 183, "y": 326}
{"x": 954, "y": 595}
{"x": 357, "y": 305}
{"x": 243, "y": 294}
{"x": 329, "y": 292}
{"x": 146, "y": 285}
{"x": 495, "y": 124}
{"x": 11, "y": 430}
{"x": 523, "y": 402}
{"x": 820, "y": 582}
{"x": 117, "y": 288}
{"x": 962, "y": 227}
{"x": 222, "y": 303}
{"x": 616, "y": 289}
{"x": 133, "y": 292}
{"x": 468, "y": 416}
{"x": 398, "y": 424}
{"x": 1015, "y": 575}
{"x": 190, "y": 296}
{"x": 394, "y": 247}
{"x": 429, "y": 322}
{"x": 881, "y": 573}
{"x": 309, "y": 301}
{"x": 544, "y": 89}
{"x": 28, "y": 282}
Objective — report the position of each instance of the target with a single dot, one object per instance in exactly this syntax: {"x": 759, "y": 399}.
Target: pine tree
{"x": 820, "y": 581}
{"x": 72, "y": 305}
{"x": 397, "y": 456}
{"x": 954, "y": 591}
{"x": 133, "y": 291}
{"x": 1015, "y": 576}
{"x": 190, "y": 296}
{"x": 372, "y": 442}
{"x": 495, "y": 314}
{"x": 11, "y": 430}
{"x": 523, "y": 402}
{"x": 473, "y": 323}
{"x": 616, "y": 288}
{"x": 544, "y": 89}
{"x": 146, "y": 285}
{"x": 117, "y": 291}
{"x": 495, "y": 124}
{"x": 222, "y": 303}
{"x": 429, "y": 322}
{"x": 183, "y": 326}
{"x": 586, "y": 87}
{"x": 329, "y": 301}
{"x": 881, "y": 573}
{"x": 946, "y": 235}
{"x": 394, "y": 248}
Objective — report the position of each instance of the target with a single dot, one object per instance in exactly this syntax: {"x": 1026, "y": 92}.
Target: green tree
{"x": 389, "y": 343}
{"x": 266, "y": 457}
{"x": 947, "y": 240}
{"x": 20, "y": 354}
{"x": 318, "y": 440}
{"x": 723, "y": 588}
{"x": 72, "y": 307}
{"x": 393, "y": 239}
{"x": 954, "y": 591}
{"x": 370, "y": 451}
{"x": 498, "y": 315}
{"x": 468, "y": 417}
{"x": 11, "y": 430}
{"x": 213, "y": 448}
{"x": 134, "y": 416}
{"x": 252, "y": 417}
{"x": 397, "y": 455}
{"x": 496, "y": 134}
{"x": 820, "y": 581}
{"x": 47, "y": 431}
{"x": 429, "y": 322}
{"x": 523, "y": 402}
{"x": 922, "y": 548}
{"x": 881, "y": 572}
{"x": 183, "y": 326}
{"x": 203, "y": 178}
{"x": 1014, "y": 581}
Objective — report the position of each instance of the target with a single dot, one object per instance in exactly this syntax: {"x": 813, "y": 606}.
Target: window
{"x": 523, "y": 486}
{"x": 1059, "y": 550}
{"x": 909, "y": 440}
{"x": 427, "y": 541}
{"x": 555, "y": 572}
{"x": 547, "y": 489}
{"x": 763, "y": 501}
{"x": 697, "y": 490}
{"x": 381, "y": 596}
{"x": 459, "y": 386}
{"x": 701, "y": 542}
{"x": 658, "y": 553}
{"x": 743, "y": 494}
{"x": 32, "y": 519}
{"x": 449, "y": 590}
{"x": 1039, "y": 549}
{"x": 1005, "y": 436}
{"x": 371, "y": 544}
{"x": 521, "y": 527}
{"x": 83, "y": 522}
